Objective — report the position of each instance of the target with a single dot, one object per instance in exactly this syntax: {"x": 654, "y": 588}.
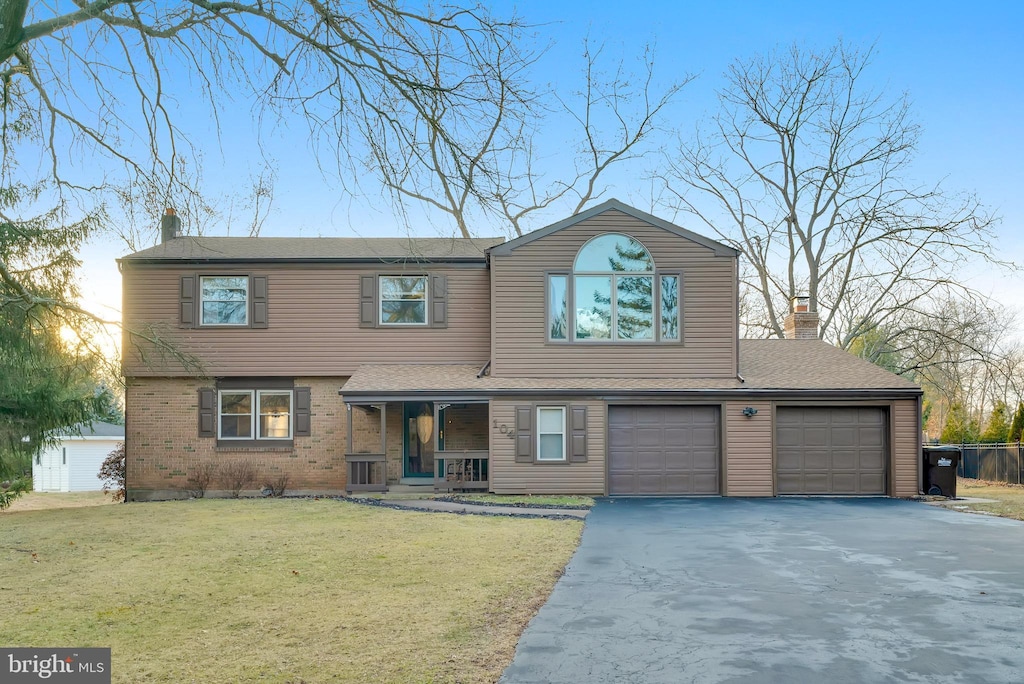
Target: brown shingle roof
{"x": 190, "y": 248}
{"x": 784, "y": 365}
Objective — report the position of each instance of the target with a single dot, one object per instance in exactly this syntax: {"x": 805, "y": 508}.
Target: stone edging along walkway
{"x": 464, "y": 508}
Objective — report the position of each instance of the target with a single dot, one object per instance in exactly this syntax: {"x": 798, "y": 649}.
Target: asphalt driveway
{"x": 782, "y": 590}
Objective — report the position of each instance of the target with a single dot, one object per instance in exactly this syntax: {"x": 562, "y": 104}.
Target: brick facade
{"x": 163, "y": 446}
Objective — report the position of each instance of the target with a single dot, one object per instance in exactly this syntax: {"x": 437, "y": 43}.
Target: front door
{"x": 418, "y": 419}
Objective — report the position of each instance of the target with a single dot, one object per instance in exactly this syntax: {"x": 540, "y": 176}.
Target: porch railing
{"x": 366, "y": 473}
{"x": 462, "y": 471}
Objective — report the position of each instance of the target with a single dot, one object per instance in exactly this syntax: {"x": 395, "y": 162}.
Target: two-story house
{"x": 598, "y": 355}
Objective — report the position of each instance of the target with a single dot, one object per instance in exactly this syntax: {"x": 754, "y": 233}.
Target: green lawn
{"x": 279, "y": 590}
{"x": 1009, "y": 497}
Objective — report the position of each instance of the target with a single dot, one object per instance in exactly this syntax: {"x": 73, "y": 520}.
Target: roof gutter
{"x": 614, "y": 394}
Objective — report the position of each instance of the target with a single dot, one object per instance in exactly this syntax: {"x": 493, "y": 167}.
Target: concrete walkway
{"x": 785, "y": 590}
{"x": 481, "y": 509}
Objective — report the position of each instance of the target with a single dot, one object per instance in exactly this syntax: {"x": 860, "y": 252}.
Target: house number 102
{"x": 504, "y": 429}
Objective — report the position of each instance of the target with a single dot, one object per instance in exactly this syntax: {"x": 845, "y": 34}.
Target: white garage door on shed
{"x": 830, "y": 450}
{"x": 663, "y": 450}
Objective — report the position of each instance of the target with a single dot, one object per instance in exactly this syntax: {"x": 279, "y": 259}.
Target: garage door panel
{"x": 648, "y": 437}
{"x": 705, "y": 459}
{"x": 844, "y": 483}
{"x": 623, "y": 416}
{"x": 705, "y": 436}
{"x": 872, "y": 483}
{"x": 830, "y": 450}
{"x": 623, "y": 482}
{"x": 649, "y": 415}
{"x": 622, "y": 436}
{"x": 870, "y": 437}
{"x": 621, "y": 459}
{"x": 814, "y": 437}
{"x": 814, "y": 459}
{"x": 650, "y": 484}
{"x": 846, "y": 459}
{"x": 704, "y": 415}
{"x": 872, "y": 459}
{"x": 677, "y": 436}
{"x": 650, "y": 460}
{"x": 672, "y": 450}
{"x": 844, "y": 436}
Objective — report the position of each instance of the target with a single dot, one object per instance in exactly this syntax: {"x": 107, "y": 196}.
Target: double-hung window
{"x": 614, "y": 294}
{"x": 550, "y": 433}
{"x": 245, "y": 414}
{"x": 224, "y": 300}
{"x": 403, "y": 300}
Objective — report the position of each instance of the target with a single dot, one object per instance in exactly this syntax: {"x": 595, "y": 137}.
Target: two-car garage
{"x": 677, "y": 450}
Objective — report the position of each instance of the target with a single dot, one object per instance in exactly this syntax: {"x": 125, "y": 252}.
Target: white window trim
{"x": 291, "y": 412}
{"x": 426, "y": 301}
{"x": 565, "y": 456}
{"x": 254, "y": 425}
{"x": 202, "y": 300}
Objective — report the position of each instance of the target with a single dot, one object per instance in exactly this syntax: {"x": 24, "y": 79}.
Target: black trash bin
{"x": 940, "y": 464}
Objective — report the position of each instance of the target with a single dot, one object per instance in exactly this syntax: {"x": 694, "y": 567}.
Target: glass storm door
{"x": 418, "y": 421}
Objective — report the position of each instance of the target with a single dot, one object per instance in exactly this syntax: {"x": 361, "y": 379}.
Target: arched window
{"x": 613, "y": 294}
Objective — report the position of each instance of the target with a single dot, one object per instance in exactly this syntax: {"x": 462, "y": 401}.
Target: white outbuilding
{"x": 73, "y": 463}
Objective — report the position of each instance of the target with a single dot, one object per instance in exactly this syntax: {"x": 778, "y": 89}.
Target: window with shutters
{"x": 403, "y": 300}
{"x": 550, "y": 433}
{"x": 224, "y": 300}
{"x": 254, "y": 414}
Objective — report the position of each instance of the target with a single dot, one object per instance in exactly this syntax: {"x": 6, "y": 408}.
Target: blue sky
{"x": 960, "y": 63}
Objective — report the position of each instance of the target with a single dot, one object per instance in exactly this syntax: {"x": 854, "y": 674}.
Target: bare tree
{"x": 612, "y": 117}
{"x": 805, "y": 170}
{"x": 103, "y": 81}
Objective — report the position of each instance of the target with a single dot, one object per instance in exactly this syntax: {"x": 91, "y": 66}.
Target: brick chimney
{"x": 170, "y": 225}
{"x": 801, "y": 323}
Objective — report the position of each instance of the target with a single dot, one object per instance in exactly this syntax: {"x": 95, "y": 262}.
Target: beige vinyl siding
{"x": 709, "y": 321}
{"x": 748, "y": 464}
{"x": 905, "y": 448}
{"x": 313, "y": 329}
{"x": 509, "y": 477}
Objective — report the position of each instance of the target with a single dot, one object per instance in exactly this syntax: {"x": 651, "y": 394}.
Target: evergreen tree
{"x": 1017, "y": 425}
{"x": 959, "y": 428}
{"x": 997, "y": 430}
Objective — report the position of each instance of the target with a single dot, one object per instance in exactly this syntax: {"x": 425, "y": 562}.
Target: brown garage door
{"x": 835, "y": 450}
{"x": 668, "y": 450}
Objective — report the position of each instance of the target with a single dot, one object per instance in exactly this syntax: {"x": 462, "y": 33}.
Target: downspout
{"x": 483, "y": 371}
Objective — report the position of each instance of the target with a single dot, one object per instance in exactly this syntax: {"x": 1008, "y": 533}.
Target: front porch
{"x": 439, "y": 446}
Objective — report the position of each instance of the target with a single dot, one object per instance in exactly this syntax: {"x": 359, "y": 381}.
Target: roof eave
{"x": 719, "y": 249}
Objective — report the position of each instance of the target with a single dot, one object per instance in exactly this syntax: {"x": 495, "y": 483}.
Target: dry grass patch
{"x": 1009, "y": 497}
{"x": 42, "y": 501}
{"x": 279, "y": 590}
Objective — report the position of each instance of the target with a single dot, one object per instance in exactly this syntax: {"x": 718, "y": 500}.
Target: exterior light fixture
{"x": 750, "y": 412}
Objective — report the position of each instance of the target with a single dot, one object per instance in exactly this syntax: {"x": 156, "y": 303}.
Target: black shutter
{"x": 439, "y": 301}
{"x": 524, "y": 434}
{"x": 258, "y": 294}
{"x": 187, "y": 297}
{"x": 303, "y": 411}
{"x": 368, "y": 301}
{"x": 578, "y": 435}
{"x": 207, "y": 412}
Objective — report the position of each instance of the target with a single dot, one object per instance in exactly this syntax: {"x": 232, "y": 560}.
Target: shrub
{"x": 12, "y": 489}
{"x": 236, "y": 476}
{"x": 200, "y": 478}
{"x": 277, "y": 486}
{"x": 112, "y": 473}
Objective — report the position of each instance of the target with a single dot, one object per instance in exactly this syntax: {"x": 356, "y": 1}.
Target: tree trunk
{"x": 12, "y": 26}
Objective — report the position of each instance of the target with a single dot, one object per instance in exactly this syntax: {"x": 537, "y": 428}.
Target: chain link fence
{"x": 995, "y": 462}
